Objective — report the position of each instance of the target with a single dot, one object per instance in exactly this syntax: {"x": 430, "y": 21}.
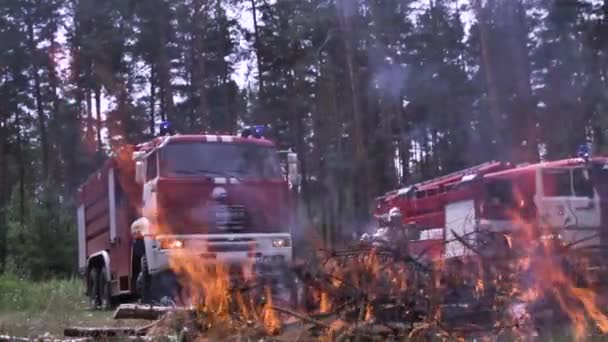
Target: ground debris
{"x": 381, "y": 293}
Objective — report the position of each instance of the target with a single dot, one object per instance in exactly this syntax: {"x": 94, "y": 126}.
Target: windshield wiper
{"x": 184, "y": 172}
{"x": 195, "y": 172}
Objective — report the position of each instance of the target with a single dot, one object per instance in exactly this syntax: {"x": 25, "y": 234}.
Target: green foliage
{"x": 43, "y": 245}
{"x": 56, "y": 295}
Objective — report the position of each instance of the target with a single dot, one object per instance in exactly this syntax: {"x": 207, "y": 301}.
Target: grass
{"x": 32, "y": 309}
{"x": 57, "y": 295}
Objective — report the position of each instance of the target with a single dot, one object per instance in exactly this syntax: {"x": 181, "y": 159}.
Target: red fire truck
{"x": 569, "y": 197}
{"x": 226, "y": 196}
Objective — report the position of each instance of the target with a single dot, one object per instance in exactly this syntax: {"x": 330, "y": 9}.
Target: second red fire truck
{"x": 569, "y": 198}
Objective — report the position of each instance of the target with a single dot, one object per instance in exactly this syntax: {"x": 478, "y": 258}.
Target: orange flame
{"x": 209, "y": 285}
{"x": 369, "y": 312}
{"x": 577, "y": 303}
{"x": 325, "y": 304}
{"x": 272, "y": 324}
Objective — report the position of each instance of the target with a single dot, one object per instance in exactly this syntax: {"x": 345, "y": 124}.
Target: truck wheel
{"x": 93, "y": 288}
{"x": 105, "y": 290}
{"x": 143, "y": 281}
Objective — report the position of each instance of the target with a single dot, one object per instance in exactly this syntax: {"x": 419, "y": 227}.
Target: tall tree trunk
{"x": 163, "y": 107}
{"x": 98, "y": 117}
{"x": 202, "y": 109}
{"x": 191, "y": 111}
{"x": 4, "y": 191}
{"x": 152, "y": 99}
{"x": 164, "y": 73}
{"x": 364, "y": 184}
{"x": 38, "y": 98}
{"x": 492, "y": 86}
{"x": 525, "y": 120}
{"x": 55, "y": 163}
{"x": 20, "y": 168}
{"x": 229, "y": 121}
{"x": 258, "y": 54}
{"x": 90, "y": 135}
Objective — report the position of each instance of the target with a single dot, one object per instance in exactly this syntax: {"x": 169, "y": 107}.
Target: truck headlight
{"x": 168, "y": 243}
{"x": 281, "y": 243}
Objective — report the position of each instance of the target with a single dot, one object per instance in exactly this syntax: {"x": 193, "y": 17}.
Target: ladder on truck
{"x": 472, "y": 170}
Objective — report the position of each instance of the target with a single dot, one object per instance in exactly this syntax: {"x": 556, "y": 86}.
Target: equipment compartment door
{"x": 459, "y": 218}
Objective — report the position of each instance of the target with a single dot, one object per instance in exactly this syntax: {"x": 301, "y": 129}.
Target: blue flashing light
{"x": 166, "y": 128}
{"x": 257, "y": 131}
{"x": 584, "y": 151}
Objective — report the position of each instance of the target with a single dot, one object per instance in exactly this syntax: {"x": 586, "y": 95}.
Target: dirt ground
{"x": 41, "y": 323}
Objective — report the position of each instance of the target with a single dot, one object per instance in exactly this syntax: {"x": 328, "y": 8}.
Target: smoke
{"x": 389, "y": 79}
{"x": 348, "y": 8}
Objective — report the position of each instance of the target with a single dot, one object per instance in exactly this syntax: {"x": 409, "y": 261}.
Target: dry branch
{"x": 145, "y": 312}
{"x": 8, "y": 338}
{"x": 102, "y": 332}
{"x": 302, "y": 317}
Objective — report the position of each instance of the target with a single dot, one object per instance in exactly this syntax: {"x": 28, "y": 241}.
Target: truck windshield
{"x": 566, "y": 182}
{"x": 243, "y": 161}
{"x": 599, "y": 175}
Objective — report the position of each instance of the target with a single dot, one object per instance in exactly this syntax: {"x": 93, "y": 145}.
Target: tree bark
{"x": 164, "y": 72}
{"x": 54, "y": 163}
{"x": 525, "y": 120}
{"x": 3, "y": 195}
{"x": 492, "y": 87}
{"x": 39, "y": 101}
{"x": 21, "y": 168}
{"x": 90, "y": 135}
{"x": 258, "y": 53}
{"x": 364, "y": 184}
{"x": 152, "y": 99}
{"x": 202, "y": 110}
{"x": 98, "y": 117}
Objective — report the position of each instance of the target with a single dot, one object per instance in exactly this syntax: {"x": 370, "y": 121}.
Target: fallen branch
{"x": 145, "y": 312}
{"x": 102, "y": 332}
{"x": 301, "y": 316}
{"x": 8, "y": 338}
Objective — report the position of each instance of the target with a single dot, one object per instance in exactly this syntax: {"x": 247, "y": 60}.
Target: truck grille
{"x": 232, "y": 217}
{"x": 229, "y": 248}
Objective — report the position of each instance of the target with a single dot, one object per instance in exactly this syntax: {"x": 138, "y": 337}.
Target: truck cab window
{"x": 599, "y": 175}
{"x": 557, "y": 182}
{"x": 500, "y": 192}
{"x": 583, "y": 186}
{"x": 151, "y": 171}
{"x": 239, "y": 160}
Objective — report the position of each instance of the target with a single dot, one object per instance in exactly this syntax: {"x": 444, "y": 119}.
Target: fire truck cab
{"x": 566, "y": 197}
{"x": 225, "y": 196}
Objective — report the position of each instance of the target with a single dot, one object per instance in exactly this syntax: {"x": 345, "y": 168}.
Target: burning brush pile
{"x": 519, "y": 286}
{"x": 525, "y": 285}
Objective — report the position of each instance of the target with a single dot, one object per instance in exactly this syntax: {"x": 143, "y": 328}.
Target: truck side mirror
{"x": 292, "y": 168}
{"x": 140, "y": 172}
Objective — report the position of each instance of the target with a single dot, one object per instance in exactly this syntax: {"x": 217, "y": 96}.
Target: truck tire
{"x": 143, "y": 281}
{"x": 105, "y": 290}
{"x": 93, "y": 288}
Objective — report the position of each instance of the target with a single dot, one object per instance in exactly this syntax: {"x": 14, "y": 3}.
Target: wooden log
{"x": 102, "y": 332}
{"x": 13, "y": 338}
{"x": 9, "y": 338}
{"x": 146, "y": 312}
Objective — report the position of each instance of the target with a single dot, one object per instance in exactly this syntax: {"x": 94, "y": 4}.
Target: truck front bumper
{"x": 226, "y": 249}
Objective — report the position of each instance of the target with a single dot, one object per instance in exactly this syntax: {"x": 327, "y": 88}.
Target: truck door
{"x": 149, "y": 188}
{"x": 585, "y": 201}
{"x": 567, "y": 199}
